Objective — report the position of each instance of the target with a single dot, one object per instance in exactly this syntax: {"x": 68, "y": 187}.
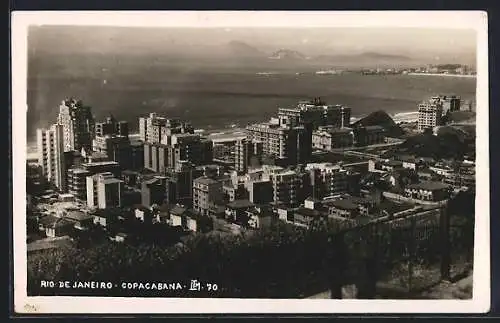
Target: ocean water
{"x": 213, "y": 99}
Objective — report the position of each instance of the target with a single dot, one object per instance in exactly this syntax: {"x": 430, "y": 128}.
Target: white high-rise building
{"x": 78, "y": 124}
{"x": 157, "y": 129}
{"x": 430, "y": 113}
{"x": 104, "y": 191}
{"x": 50, "y": 149}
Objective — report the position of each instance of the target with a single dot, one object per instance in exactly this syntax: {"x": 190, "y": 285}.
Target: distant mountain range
{"x": 287, "y": 54}
{"x": 239, "y": 49}
{"x": 242, "y": 49}
{"x": 114, "y": 44}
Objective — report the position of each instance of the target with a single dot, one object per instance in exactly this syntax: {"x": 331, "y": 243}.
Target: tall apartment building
{"x": 78, "y": 125}
{"x": 206, "y": 193}
{"x": 430, "y": 113}
{"x": 450, "y": 103}
{"x": 290, "y": 187}
{"x": 244, "y": 151}
{"x": 153, "y": 191}
{"x": 179, "y": 183}
{"x": 182, "y": 147}
{"x": 136, "y": 155}
{"x": 327, "y": 179}
{"x": 143, "y": 128}
{"x": 292, "y": 144}
{"x": 72, "y": 159}
{"x": 260, "y": 192}
{"x": 155, "y": 128}
{"x": 104, "y": 191}
{"x": 77, "y": 176}
{"x": 50, "y": 148}
{"x": 155, "y": 157}
{"x": 77, "y": 182}
{"x": 192, "y": 148}
{"x": 111, "y": 127}
{"x": 316, "y": 113}
{"x": 224, "y": 147}
{"x": 117, "y": 148}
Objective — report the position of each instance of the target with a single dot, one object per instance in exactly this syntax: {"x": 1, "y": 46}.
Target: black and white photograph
{"x": 250, "y": 162}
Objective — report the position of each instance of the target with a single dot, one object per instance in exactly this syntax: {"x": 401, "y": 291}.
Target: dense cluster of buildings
{"x": 444, "y": 69}
{"x": 453, "y": 69}
{"x": 171, "y": 174}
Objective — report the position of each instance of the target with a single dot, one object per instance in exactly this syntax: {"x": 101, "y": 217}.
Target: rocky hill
{"x": 242, "y": 49}
{"x": 287, "y": 54}
{"x": 381, "y": 118}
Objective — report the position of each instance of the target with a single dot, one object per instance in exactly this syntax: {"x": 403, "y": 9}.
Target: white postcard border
{"x": 415, "y": 19}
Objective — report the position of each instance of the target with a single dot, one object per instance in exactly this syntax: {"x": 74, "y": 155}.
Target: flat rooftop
{"x": 345, "y": 204}
{"x": 79, "y": 171}
{"x": 111, "y": 181}
{"x": 429, "y": 185}
{"x": 237, "y": 204}
{"x": 205, "y": 180}
{"x": 100, "y": 163}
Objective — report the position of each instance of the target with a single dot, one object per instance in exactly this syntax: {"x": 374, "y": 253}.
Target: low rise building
{"x": 232, "y": 193}
{"x": 121, "y": 237}
{"x": 305, "y": 217}
{"x": 409, "y": 162}
{"x": 390, "y": 165}
{"x": 176, "y": 215}
{"x": 259, "y": 217}
{"x": 60, "y": 227}
{"x": 260, "y": 192}
{"x": 428, "y": 191}
{"x": 106, "y": 218}
{"x": 369, "y": 135}
{"x": 330, "y": 138}
{"x": 342, "y": 208}
{"x": 143, "y": 214}
{"x": 236, "y": 211}
{"x": 153, "y": 191}
{"x": 81, "y": 220}
{"x": 198, "y": 223}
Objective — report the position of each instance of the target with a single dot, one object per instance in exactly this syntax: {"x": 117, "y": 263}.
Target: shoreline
{"x": 402, "y": 116}
{"x": 440, "y": 74}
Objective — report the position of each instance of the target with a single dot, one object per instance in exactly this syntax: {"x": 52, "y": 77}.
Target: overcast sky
{"x": 415, "y": 42}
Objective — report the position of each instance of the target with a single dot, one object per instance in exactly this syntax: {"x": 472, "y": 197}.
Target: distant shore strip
{"x": 442, "y": 74}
